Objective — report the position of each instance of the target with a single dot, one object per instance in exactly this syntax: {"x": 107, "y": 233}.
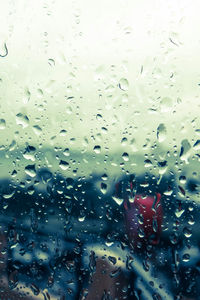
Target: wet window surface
{"x": 99, "y": 150}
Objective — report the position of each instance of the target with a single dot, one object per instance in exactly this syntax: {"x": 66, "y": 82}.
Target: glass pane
{"x": 99, "y": 151}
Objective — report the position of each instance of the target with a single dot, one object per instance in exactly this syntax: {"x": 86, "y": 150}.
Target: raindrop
{"x": 123, "y": 84}
{"x": 30, "y": 170}
{"x": 182, "y": 179}
{"x": 166, "y": 104}
{"x": 8, "y": 195}
{"x": 186, "y": 257}
{"x": 51, "y": 62}
{"x": 30, "y": 153}
{"x": 187, "y": 232}
{"x": 147, "y": 163}
{"x": 64, "y": 165}
{"x": 118, "y": 200}
{"x": 97, "y": 149}
{"x": 124, "y": 141}
{"x": 112, "y": 259}
{"x": 104, "y": 177}
{"x": 66, "y": 152}
{"x": 35, "y": 289}
{"x": 103, "y": 188}
{"x": 125, "y": 156}
{"x": 2, "y": 124}
{"x": 185, "y": 147}
{"x": 179, "y": 213}
{"x": 37, "y": 130}
{"x": 27, "y": 96}
{"x": 161, "y": 133}
{"x": 6, "y": 51}
{"x": 196, "y": 145}
{"x": 22, "y": 120}
{"x": 98, "y": 117}
{"x": 115, "y": 273}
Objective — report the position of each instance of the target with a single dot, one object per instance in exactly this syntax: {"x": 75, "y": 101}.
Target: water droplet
{"x": 186, "y": 257}
{"x": 35, "y": 289}
{"x": 187, "y": 232}
{"x": 196, "y": 145}
{"x": 124, "y": 141}
{"x": 12, "y": 146}
{"x": 37, "y": 130}
{"x": 66, "y": 152}
{"x": 147, "y": 163}
{"x": 103, "y": 188}
{"x": 27, "y": 96}
{"x": 123, "y": 84}
{"x": 64, "y": 165}
{"x": 182, "y": 179}
{"x": 115, "y": 273}
{"x": 118, "y": 200}
{"x": 125, "y": 156}
{"x": 104, "y": 177}
{"x": 63, "y": 132}
{"x": 8, "y": 195}
{"x": 51, "y": 62}
{"x": 30, "y": 170}
{"x": 22, "y": 120}
{"x": 161, "y": 133}
{"x": 185, "y": 147}
{"x": 81, "y": 219}
{"x": 97, "y": 149}
{"x": 6, "y": 51}
{"x": 99, "y": 117}
{"x": 30, "y": 153}
{"x": 2, "y": 124}
{"x": 179, "y": 212}
{"x": 166, "y": 104}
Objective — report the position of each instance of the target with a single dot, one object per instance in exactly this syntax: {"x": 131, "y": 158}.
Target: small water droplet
{"x": 51, "y": 62}
{"x": 196, "y": 145}
{"x": 2, "y": 124}
{"x": 186, "y": 257}
{"x": 187, "y": 232}
{"x": 166, "y": 104}
{"x": 103, "y": 188}
{"x": 37, "y": 129}
{"x": 97, "y": 149}
{"x": 124, "y": 141}
{"x": 161, "y": 133}
{"x": 118, "y": 200}
{"x": 123, "y": 84}
{"x": 179, "y": 213}
{"x": 99, "y": 117}
{"x": 104, "y": 177}
{"x": 66, "y": 152}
